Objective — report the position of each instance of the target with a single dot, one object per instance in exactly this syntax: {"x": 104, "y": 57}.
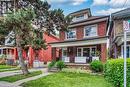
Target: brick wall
{"x": 80, "y": 32}
{"x": 103, "y": 53}
{"x": 62, "y": 36}
{"x": 101, "y": 29}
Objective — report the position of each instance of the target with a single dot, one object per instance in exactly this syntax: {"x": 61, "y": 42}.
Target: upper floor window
{"x": 90, "y": 31}
{"x": 80, "y": 17}
{"x": 5, "y": 7}
{"x": 71, "y": 34}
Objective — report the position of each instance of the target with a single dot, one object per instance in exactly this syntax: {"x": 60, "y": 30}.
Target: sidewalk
{"x": 11, "y": 73}
{"x": 17, "y": 83}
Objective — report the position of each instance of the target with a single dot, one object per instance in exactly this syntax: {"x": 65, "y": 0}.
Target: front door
{"x": 65, "y": 57}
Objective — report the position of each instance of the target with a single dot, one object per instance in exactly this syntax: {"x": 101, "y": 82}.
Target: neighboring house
{"x": 86, "y": 40}
{"x": 116, "y": 34}
{"x": 9, "y": 49}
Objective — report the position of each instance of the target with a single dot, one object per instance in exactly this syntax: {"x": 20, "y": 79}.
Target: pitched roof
{"x": 123, "y": 14}
{"x": 82, "y": 10}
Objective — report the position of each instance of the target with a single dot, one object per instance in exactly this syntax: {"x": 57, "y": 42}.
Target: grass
{"x": 6, "y": 67}
{"x": 19, "y": 77}
{"x": 69, "y": 79}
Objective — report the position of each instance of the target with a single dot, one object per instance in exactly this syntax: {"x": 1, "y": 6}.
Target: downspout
{"x": 108, "y": 40}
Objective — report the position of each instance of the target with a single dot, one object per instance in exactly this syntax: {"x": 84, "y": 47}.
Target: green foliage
{"x": 60, "y": 65}
{"x": 113, "y": 72}
{"x": 52, "y": 64}
{"x": 3, "y": 56}
{"x": 96, "y": 66}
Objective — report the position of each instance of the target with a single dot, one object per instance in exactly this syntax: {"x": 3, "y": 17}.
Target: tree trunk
{"x": 20, "y": 56}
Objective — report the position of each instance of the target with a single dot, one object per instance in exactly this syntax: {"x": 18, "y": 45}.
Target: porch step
{"x": 54, "y": 69}
{"x": 78, "y": 66}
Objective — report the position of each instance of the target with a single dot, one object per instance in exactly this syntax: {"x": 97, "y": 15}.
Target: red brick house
{"x": 44, "y": 56}
{"x": 86, "y": 40}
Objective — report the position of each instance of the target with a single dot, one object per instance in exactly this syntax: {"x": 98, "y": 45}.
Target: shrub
{"x": 114, "y": 70}
{"x": 96, "y": 66}
{"x": 52, "y": 64}
{"x": 60, "y": 65}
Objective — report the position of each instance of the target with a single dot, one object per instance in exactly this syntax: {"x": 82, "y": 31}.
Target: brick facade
{"x": 101, "y": 30}
{"x": 103, "y": 53}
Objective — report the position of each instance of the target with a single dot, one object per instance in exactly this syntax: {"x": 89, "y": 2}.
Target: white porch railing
{"x": 95, "y": 58}
{"x": 10, "y": 56}
{"x": 80, "y": 59}
{"x": 66, "y": 59}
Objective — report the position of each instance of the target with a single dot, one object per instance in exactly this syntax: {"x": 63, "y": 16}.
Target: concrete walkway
{"x": 11, "y": 73}
{"x": 17, "y": 83}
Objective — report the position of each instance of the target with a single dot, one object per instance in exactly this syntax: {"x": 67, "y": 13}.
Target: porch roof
{"x": 6, "y": 47}
{"x": 86, "y": 41}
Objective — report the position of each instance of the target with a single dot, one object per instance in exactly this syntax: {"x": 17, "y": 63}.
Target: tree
{"x": 20, "y": 24}
{"x": 31, "y": 19}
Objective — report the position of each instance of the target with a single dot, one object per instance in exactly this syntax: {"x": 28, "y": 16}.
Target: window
{"x": 5, "y": 6}
{"x": 90, "y": 31}
{"x": 80, "y": 17}
{"x": 64, "y": 52}
{"x": 127, "y": 51}
{"x": 71, "y": 34}
{"x": 79, "y": 52}
{"x": 93, "y": 51}
{"x": 86, "y": 51}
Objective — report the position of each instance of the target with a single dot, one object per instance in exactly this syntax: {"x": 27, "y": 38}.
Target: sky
{"x": 98, "y": 7}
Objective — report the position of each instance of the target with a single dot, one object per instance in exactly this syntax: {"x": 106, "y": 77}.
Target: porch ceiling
{"x": 80, "y": 42}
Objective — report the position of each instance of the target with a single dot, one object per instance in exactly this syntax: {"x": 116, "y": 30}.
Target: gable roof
{"x": 82, "y": 11}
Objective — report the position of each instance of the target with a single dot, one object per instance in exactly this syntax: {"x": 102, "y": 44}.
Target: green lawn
{"x": 69, "y": 79}
{"x": 19, "y": 77}
{"x": 6, "y": 67}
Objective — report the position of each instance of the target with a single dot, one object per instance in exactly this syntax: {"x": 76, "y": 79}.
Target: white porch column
{"x": 1, "y": 50}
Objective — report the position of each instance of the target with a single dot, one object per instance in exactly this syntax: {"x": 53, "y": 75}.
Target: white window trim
{"x": 93, "y": 35}
{"x": 86, "y": 47}
{"x": 122, "y": 48}
{"x": 62, "y": 51}
{"x": 71, "y": 38}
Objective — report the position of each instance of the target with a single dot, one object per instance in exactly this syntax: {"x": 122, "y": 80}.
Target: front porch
{"x": 81, "y": 54}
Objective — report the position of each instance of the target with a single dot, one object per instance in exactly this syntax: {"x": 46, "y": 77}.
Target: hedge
{"x": 96, "y": 66}
{"x": 114, "y": 72}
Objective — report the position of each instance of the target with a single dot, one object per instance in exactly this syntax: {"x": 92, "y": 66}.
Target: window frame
{"x": 63, "y": 49}
{"x": 91, "y": 35}
{"x": 71, "y": 38}
{"x": 86, "y": 47}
